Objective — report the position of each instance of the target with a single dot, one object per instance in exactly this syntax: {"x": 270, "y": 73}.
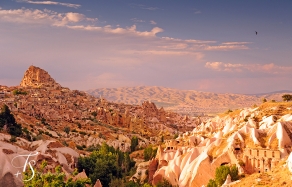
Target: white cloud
{"x": 196, "y": 55}
{"x": 40, "y": 17}
{"x": 74, "y": 17}
{"x": 119, "y": 30}
{"x": 224, "y": 47}
{"x": 79, "y": 21}
{"x": 266, "y": 68}
{"x": 153, "y": 22}
{"x": 236, "y": 43}
{"x": 137, "y": 20}
{"x": 133, "y": 5}
{"x": 51, "y": 3}
{"x": 220, "y": 66}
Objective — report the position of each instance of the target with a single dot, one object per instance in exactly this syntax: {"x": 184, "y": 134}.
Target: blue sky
{"x": 194, "y": 45}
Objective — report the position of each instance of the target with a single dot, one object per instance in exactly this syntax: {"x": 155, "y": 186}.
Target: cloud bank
{"x": 51, "y": 3}
{"x": 270, "y": 68}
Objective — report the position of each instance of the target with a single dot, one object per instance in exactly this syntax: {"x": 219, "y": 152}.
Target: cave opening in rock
{"x": 224, "y": 163}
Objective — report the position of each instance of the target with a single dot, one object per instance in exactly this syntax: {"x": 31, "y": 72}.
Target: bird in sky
{"x": 256, "y": 32}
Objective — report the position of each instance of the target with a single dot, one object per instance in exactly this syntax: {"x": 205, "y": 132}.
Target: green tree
{"x": 221, "y": 174}
{"x": 149, "y": 153}
{"x": 107, "y": 164}
{"x": 127, "y": 162}
{"x": 264, "y": 100}
{"x": 211, "y": 183}
{"x": 101, "y": 164}
{"x": 132, "y": 184}
{"x": 6, "y": 118}
{"x": 134, "y": 143}
{"x": 146, "y": 185}
{"x": 287, "y": 97}
{"x": 58, "y": 178}
{"x": 164, "y": 183}
{"x": 234, "y": 173}
{"x": 116, "y": 183}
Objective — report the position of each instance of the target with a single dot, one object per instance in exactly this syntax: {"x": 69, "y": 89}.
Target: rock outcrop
{"x": 13, "y": 159}
{"x": 251, "y": 142}
{"x": 37, "y": 77}
{"x": 152, "y": 168}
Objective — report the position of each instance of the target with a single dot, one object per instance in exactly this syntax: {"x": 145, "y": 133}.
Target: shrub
{"x": 228, "y": 111}
{"x": 287, "y": 97}
{"x": 234, "y": 173}
{"x": 13, "y": 139}
{"x": 79, "y": 147}
{"x": 65, "y": 143}
{"x": 175, "y": 136}
{"x": 211, "y": 183}
{"x": 164, "y": 183}
{"x": 94, "y": 114}
{"x": 134, "y": 143}
{"x": 67, "y": 129}
{"x": 57, "y": 178}
{"x": 149, "y": 153}
{"x": 19, "y": 92}
{"x": 132, "y": 184}
{"x": 221, "y": 174}
{"x": 8, "y": 120}
{"x": 79, "y": 125}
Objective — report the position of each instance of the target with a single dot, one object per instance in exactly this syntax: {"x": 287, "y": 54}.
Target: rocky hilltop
{"x": 62, "y": 124}
{"x": 36, "y": 77}
{"x": 190, "y": 102}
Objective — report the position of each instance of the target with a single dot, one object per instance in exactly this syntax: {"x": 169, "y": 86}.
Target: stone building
{"x": 260, "y": 160}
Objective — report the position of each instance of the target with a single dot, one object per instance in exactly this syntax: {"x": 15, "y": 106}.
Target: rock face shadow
{"x": 8, "y": 181}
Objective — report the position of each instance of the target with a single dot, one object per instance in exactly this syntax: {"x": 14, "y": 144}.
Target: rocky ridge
{"x": 190, "y": 102}
{"x": 76, "y": 121}
{"x": 36, "y": 77}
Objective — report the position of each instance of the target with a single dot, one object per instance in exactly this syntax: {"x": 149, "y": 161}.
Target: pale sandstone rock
{"x": 51, "y": 151}
{"x": 227, "y": 181}
{"x": 97, "y": 184}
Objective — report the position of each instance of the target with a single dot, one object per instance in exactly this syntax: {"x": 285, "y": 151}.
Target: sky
{"x": 209, "y": 45}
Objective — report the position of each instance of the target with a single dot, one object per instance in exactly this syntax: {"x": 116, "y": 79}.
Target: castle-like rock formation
{"x": 37, "y": 77}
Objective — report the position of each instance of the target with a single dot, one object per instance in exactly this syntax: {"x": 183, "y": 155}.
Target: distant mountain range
{"x": 185, "y": 101}
{"x": 272, "y": 93}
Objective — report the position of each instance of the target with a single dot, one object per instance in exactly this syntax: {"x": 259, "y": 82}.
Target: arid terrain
{"x": 66, "y": 127}
{"x": 191, "y": 102}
